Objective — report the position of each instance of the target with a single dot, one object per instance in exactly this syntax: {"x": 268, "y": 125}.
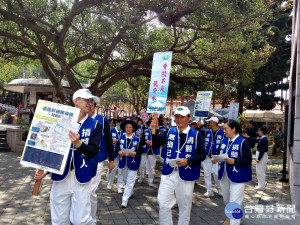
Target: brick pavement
{"x": 18, "y": 206}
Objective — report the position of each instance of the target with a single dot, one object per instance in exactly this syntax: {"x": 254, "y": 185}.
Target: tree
{"x": 108, "y": 41}
{"x": 268, "y": 78}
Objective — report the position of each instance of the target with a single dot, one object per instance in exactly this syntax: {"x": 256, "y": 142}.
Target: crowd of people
{"x": 133, "y": 147}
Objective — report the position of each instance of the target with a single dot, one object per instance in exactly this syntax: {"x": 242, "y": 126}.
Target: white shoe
{"x": 122, "y": 186}
{"x": 208, "y": 194}
{"x": 151, "y": 185}
{"x": 120, "y": 191}
{"x": 108, "y": 186}
{"x": 140, "y": 180}
{"x": 259, "y": 188}
{"x": 124, "y": 204}
{"x": 220, "y": 193}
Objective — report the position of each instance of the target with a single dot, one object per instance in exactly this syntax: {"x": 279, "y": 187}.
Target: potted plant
{"x": 24, "y": 126}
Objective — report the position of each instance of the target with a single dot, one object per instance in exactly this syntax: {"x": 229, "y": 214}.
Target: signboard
{"x": 144, "y": 115}
{"x": 159, "y": 83}
{"x": 48, "y": 144}
{"x": 233, "y": 111}
{"x": 202, "y": 104}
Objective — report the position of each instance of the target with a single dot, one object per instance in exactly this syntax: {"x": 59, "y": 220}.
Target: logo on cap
{"x": 179, "y": 109}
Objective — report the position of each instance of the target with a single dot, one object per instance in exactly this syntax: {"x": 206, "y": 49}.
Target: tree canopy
{"x": 108, "y": 41}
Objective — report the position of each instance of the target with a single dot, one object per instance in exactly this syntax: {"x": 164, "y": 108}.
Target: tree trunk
{"x": 254, "y": 99}
{"x": 224, "y": 101}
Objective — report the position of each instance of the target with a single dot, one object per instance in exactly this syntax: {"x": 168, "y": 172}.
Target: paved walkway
{"x": 18, "y": 206}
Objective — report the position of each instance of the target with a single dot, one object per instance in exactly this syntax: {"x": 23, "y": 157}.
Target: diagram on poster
{"x": 48, "y": 144}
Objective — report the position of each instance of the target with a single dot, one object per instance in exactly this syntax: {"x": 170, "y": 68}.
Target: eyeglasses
{"x": 89, "y": 100}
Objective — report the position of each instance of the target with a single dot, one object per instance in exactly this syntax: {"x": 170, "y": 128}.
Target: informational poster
{"x": 233, "y": 111}
{"x": 48, "y": 143}
{"x": 159, "y": 83}
{"x": 202, "y": 104}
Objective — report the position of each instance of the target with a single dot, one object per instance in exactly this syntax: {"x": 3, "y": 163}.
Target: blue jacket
{"x": 85, "y": 168}
{"x": 133, "y": 163}
{"x": 235, "y": 173}
{"x": 213, "y": 144}
{"x": 186, "y": 173}
{"x": 148, "y": 137}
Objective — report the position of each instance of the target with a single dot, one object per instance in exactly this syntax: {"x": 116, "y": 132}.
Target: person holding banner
{"x": 212, "y": 142}
{"x": 149, "y": 157}
{"x": 70, "y": 200}
{"x": 234, "y": 165}
{"x": 130, "y": 149}
{"x": 181, "y": 168}
{"x": 106, "y": 150}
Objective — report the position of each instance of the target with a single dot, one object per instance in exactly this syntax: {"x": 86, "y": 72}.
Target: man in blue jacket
{"x": 70, "y": 192}
{"x": 181, "y": 168}
{"x": 106, "y": 150}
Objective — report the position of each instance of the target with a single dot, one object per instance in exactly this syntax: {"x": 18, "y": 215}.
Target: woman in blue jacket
{"x": 131, "y": 160}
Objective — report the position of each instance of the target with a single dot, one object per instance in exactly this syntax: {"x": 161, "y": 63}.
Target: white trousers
{"x": 122, "y": 177}
{"x": 130, "y": 182}
{"x": 232, "y": 192}
{"x": 148, "y": 163}
{"x": 172, "y": 188}
{"x": 111, "y": 175}
{"x": 261, "y": 170}
{"x": 94, "y": 186}
{"x": 70, "y": 202}
{"x": 209, "y": 169}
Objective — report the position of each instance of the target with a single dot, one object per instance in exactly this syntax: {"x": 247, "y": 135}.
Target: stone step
{"x": 5, "y": 149}
{"x": 2, "y": 139}
{"x": 3, "y": 144}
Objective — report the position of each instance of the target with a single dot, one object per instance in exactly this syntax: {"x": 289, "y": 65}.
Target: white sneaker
{"x": 220, "y": 193}
{"x": 151, "y": 185}
{"x": 124, "y": 204}
{"x": 120, "y": 191}
{"x": 208, "y": 194}
{"x": 259, "y": 188}
{"x": 140, "y": 180}
{"x": 108, "y": 186}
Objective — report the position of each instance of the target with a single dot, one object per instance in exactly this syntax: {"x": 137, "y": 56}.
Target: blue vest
{"x": 85, "y": 168}
{"x": 114, "y": 134}
{"x": 102, "y": 155}
{"x": 139, "y": 130}
{"x": 148, "y": 137}
{"x": 133, "y": 163}
{"x": 186, "y": 173}
{"x": 162, "y": 130}
{"x": 213, "y": 145}
{"x": 236, "y": 174}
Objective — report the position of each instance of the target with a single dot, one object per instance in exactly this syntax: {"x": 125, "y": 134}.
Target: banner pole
{"x": 37, "y": 184}
{"x": 155, "y": 119}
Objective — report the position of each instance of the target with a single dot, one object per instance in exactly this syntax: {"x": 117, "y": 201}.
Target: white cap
{"x": 221, "y": 124}
{"x": 86, "y": 94}
{"x": 195, "y": 121}
{"x": 213, "y": 118}
{"x": 182, "y": 110}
